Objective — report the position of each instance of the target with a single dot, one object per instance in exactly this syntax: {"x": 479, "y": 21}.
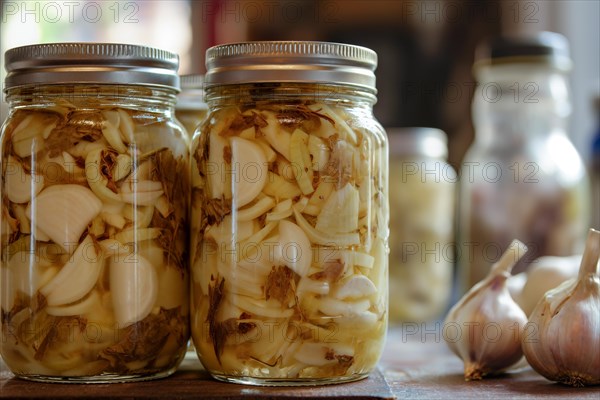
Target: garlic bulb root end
{"x": 473, "y": 372}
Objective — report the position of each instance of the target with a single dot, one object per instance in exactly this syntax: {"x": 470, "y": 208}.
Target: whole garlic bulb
{"x": 543, "y": 274}
{"x": 562, "y": 339}
{"x": 488, "y": 320}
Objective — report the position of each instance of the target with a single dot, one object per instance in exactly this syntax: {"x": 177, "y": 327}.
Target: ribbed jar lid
{"x": 97, "y": 63}
{"x": 291, "y": 61}
{"x": 192, "y": 81}
{"x": 418, "y": 141}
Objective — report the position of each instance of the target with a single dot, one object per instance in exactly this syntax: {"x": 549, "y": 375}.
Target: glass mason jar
{"x": 522, "y": 177}
{"x": 422, "y": 199}
{"x": 289, "y": 215}
{"x": 191, "y": 109}
{"x": 594, "y": 168}
{"x": 94, "y": 275}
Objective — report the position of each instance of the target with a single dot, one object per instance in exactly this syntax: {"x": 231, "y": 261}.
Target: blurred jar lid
{"x": 192, "y": 82}
{"x": 418, "y": 141}
{"x": 548, "y": 48}
{"x": 192, "y": 92}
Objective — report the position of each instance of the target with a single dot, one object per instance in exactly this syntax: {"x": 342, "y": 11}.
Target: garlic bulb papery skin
{"x": 488, "y": 322}
{"x": 562, "y": 338}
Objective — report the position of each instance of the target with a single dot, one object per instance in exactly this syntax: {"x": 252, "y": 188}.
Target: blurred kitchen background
{"x": 425, "y": 48}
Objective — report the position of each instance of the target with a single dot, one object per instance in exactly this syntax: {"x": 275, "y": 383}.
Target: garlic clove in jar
{"x": 122, "y": 167}
{"x": 278, "y": 138}
{"x": 488, "y": 321}
{"x": 295, "y": 248}
{"x": 258, "y": 209}
{"x": 319, "y": 354}
{"x": 63, "y": 212}
{"x": 96, "y": 178}
{"x": 90, "y": 303}
{"x": 227, "y": 232}
{"x": 319, "y": 152}
{"x": 342, "y": 128}
{"x": 355, "y": 287}
{"x": 335, "y": 308}
{"x": 340, "y": 212}
{"x": 250, "y": 164}
{"x": 110, "y": 130}
{"x": 20, "y": 185}
{"x": 325, "y": 238}
{"x": 126, "y": 125}
{"x": 77, "y": 277}
{"x": 562, "y": 338}
{"x": 280, "y": 188}
{"x": 318, "y": 198}
{"x": 134, "y": 288}
{"x": 315, "y": 354}
{"x": 301, "y": 161}
{"x": 142, "y": 193}
{"x": 27, "y": 136}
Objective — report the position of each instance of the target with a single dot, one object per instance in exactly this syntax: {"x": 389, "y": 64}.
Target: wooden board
{"x": 190, "y": 382}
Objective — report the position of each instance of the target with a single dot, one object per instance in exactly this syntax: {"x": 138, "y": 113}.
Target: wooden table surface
{"x": 413, "y": 367}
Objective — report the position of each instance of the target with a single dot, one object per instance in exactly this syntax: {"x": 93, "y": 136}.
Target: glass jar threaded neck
{"x": 82, "y": 95}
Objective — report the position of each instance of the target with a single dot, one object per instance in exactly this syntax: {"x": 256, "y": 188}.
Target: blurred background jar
{"x": 3, "y": 110}
{"x": 522, "y": 177}
{"x": 191, "y": 109}
{"x": 94, "y": 270}
{"x": 595, "y": 169}
{"x": 422, "y": 199}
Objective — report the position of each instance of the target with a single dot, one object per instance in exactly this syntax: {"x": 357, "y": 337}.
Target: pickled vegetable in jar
{"x": 422, "y": 200}
{"x": 289, "y": 215}
{"x": 191, "y": 109}
{"x": 94, "y": 276}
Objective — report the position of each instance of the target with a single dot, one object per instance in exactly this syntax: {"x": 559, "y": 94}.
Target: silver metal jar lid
{"x": 291, "y": 61}
{"x": 418, "y": 141}
{"x": 97, "y": 63}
